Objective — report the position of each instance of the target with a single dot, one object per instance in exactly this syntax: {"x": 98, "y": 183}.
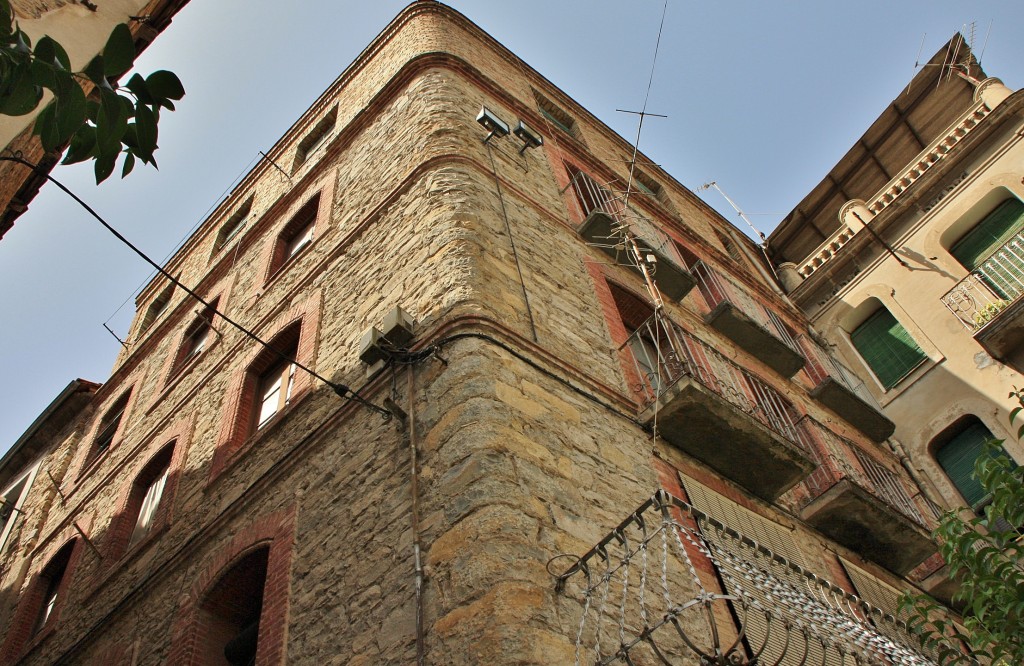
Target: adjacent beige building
{"x": 501, "y": 397}
{"x": 909, "y": 259}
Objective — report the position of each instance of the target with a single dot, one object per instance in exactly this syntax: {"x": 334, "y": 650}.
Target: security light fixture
{"x": 492, "y": 123}
{"x": 529, "y": 137}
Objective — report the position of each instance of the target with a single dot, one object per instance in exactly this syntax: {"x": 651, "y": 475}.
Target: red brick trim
{"x": 115, "y": 545}
{"x": 272, "y": 261}
{"x": 616, "y": 327}
{"x": 86, "y": 459}
{"x": 276, "y": 531}
{"x": 235, "y": 429}
{"x": 20, "y": 640}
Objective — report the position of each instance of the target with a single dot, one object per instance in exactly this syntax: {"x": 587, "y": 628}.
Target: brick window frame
{"x": 312, "y": 209}
{"x": 274, "y": 532}
{"x": 236, "y": 433}
{"x": 169, "y": 455}
{"x": 99, "y": 441}
{"x": 178, "y": 363}
{"x": 23, "y": 634}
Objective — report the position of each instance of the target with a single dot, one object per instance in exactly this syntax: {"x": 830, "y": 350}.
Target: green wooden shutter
{"x": 887, "y": 347}
{"x": 957, "y": 458}
{"x": 989, "y": 234}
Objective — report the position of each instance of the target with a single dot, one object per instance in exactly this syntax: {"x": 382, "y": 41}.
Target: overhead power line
{"x": 341, "y": 389}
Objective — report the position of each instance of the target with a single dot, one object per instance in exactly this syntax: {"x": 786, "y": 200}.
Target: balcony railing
{"x": 839, "y": 389}
{"x": 641, "y": 600}
{"x": 840, "y": 458}
{"x": 608, "y": 218}
{"x": 747, "y": 322}
{"x": 998, "y": 282}
{"x": 664, "y": 353}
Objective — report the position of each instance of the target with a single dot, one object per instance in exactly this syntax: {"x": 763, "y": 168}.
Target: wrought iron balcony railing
{"x": 840, "y": 458}
{"x": 979, "y": 299}
{"x": 664, "y": 353}
{"x": 643, "y": 599}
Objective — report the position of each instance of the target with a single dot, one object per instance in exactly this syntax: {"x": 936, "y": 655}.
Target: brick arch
{"x": 276, "y": 532}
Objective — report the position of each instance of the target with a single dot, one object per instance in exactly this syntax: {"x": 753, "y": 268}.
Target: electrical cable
{"x": 342, "y": 390}
{"x": 187, "y": 235}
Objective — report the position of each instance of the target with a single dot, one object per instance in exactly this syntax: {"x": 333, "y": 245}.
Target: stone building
{"x": 908, "y": 257}
{"x": 82, "y": 29}
{"x": 502, "y": 395}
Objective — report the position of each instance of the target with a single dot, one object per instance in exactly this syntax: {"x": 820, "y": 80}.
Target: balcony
{"x": 988, "y": 301}
{"x": 859, "y": 502}
{"x": 714, "y": 410}
{"x": 746, "y": 322}
{"x": 836, "y": 387}
{"x": 636, "y": 598}
{"x": 609, "y": 219}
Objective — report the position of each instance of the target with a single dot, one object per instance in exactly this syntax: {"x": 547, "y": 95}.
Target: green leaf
{"x": 83, "y": 145}
{"x": 145, "y": 129}
{"x": 94, "y": 70}
{"x": 21, "y": 96}
{"x": 129, "y": 164}
{"x": 110, "y": 123}
{"x": 6, "y": 20}
{"x": 137, "y": 85}
{"x": 46, "y": 127}
{"x": 163, "y": 86}
{"x": 70, "y": 111}
{"x": 104, "y": 166}
{"x": 119, "y": 53}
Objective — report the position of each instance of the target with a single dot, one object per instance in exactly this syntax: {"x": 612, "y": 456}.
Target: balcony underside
{"x": 673, "y": 281}
{"x": 865, "y": 524}
{"x": 719, "y": 434}
{"x": 853, "y": 409}
{"x": 748, "y": 334}
{"x": 1005, "y": 334}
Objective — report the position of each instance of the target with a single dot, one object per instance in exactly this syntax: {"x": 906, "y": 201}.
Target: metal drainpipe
{"x": 415, "y": 509}
{"x": 901, "y": 453}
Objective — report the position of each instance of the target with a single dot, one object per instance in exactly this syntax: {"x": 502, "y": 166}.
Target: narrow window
{"x": 157, "y": 308}
{"x": 235, "y": 224}
{"x": 50, "y": 586}
{"x": 958, "y": 455}
{"x": 887, "y": 348}
{"x": 230, "y": 613}
{"x": 316, "y": 138}
{"x": 109, "y": 426}
{"x": 275, "y": 390}
{"x": 296, "y": 235}
{"x": 198, "y": 336}
{"x": 149, "y": 489}
{"x": 556, "y": 116}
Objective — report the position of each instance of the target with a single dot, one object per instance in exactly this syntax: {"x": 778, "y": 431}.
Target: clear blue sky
{"x": 763, "y": 97}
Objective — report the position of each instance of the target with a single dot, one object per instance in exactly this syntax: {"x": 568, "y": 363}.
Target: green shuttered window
{"x": 887, "y": 347}
{"x": 989, "y": 234}
{"x": 957, "y": 458}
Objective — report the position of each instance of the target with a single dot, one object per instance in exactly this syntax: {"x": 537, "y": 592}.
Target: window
{"x": 275, "y": 391}
{"x": 296, "y": 235}
{"x": 50, "y": 584}
{"x": 109, "y": 426}
{"x": 11, "y": 501}
{"x": 887, "y": 347}
{"x": 147, "y": 495}
{"x": 157, "y": 307}
{"x": 556, "y": 116}
{"x": 316, "y": 138}
{"x": 197, "y": 336}
{"x": 234, "y": 225}
{"x": 990, "y": 250}
{"x": 231, "y": 610}
{"x": 958, "y": 455}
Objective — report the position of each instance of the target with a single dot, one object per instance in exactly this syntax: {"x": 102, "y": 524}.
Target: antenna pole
{"x": 760, "y": 234}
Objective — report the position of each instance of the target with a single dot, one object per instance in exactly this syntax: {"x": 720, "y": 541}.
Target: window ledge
{"x": 104, "y": 574}
{"x": 908, "y": 380}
